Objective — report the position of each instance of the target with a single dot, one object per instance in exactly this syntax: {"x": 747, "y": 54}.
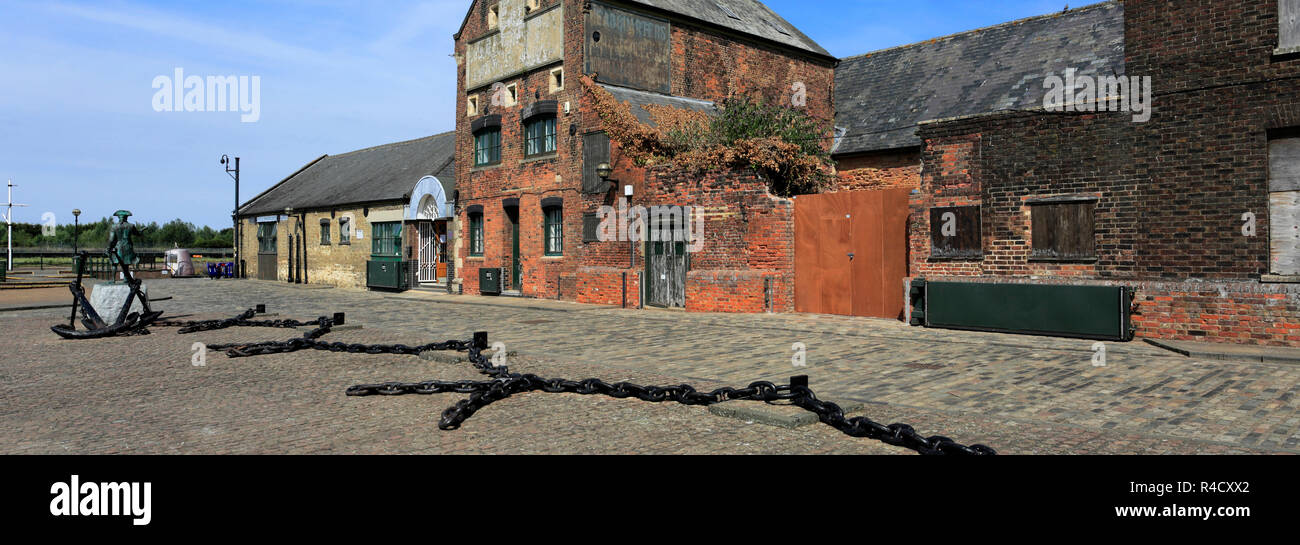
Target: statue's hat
{"x": 122, "y": 213}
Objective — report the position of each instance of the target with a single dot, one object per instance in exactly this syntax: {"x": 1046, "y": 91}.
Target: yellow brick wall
{"x": 335, "y": 264}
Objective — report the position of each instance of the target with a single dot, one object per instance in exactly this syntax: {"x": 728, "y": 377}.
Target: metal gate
{"x": 428, "y": 253}
{"x": 666, "y": 274}
{"x": 851, "y": 253}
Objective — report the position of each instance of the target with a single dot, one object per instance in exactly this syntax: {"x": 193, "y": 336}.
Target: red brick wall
{"x": 713, "y": 67}
{"x": 748, "y": 240}
{"x": 528, "y": 179}
{"x": 606, "y": 286}
{"x": 879, "y": 170}
{"x": 1171, "y": 192}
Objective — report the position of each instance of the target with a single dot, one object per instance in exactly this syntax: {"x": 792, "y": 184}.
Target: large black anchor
{"x": 125, "y": 322}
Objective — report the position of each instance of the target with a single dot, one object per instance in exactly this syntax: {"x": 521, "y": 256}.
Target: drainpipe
{"x": 302, "y": 244}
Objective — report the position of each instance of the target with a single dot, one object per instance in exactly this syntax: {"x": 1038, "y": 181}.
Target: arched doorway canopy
{"x": 428, "y": 201}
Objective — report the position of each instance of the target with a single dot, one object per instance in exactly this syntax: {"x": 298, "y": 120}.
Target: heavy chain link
{"x": 503, "y": 384}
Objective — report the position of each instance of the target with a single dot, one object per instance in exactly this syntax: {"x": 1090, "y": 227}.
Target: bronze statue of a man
{"x": 120, "y": 247}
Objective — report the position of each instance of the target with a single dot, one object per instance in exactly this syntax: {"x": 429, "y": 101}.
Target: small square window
{"x": 345, "y": 231}
{"x": 471, "y": 105}
{"x": 511, "y": 97}
{"x": 557, "y": 80}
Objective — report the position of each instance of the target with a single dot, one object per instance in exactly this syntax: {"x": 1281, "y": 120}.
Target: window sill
{"x": 1064, "y": 260}
{"x": 481, "y": 168}
{"x": 529, "y": 14}
{"x": 1279, "y": 279}
{"x": 541, "y": 157}
{"x": 1286, "y": 53}
{"x": 552, "y": 257}
{"x": 949, "y": 259}
{"x": 490, "y": 33}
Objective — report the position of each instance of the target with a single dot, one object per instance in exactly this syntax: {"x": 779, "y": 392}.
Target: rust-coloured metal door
{"x": 851, "y": 253}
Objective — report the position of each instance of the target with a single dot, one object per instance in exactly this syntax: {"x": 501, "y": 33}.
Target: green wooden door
{"x": 516, "y": 267}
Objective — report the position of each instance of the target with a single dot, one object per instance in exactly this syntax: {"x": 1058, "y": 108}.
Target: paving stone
{"x": 782, "y": 416}
{"x": 1016, "y": 394}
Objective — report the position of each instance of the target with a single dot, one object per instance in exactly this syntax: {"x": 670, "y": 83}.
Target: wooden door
{"x": 666, "y": 274}
{"x": 851, "y": 253}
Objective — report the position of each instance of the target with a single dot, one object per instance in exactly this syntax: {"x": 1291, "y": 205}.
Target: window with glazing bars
{"x": 539, "y": 136}
{"x": 266, "y": 237}
{"x": 386, "y": 239}
{"x": 476, "y": 235}
{"x": 554, "y": 231}
{"x": 487, "y": 147}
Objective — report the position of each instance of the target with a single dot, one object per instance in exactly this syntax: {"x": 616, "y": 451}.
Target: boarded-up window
{"x": 595, "y": 150}
{"x": 1284, "y": 206}
{"x": 590, "y": 227}
{"x": 1289, "y": 21}
{"x": 955, "y": 233}
{"x": 1063, "y": 230}
{"x": 629, "y": 49}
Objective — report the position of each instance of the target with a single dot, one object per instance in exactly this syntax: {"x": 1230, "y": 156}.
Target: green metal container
{"x": 1088, "y": 312}
{"x": 489, "y": 281}
{"x": 387, "y": 275}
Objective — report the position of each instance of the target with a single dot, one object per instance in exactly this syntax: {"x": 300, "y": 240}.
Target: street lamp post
{"x": 76, "y": 227}
{"x": 239, "y": 241}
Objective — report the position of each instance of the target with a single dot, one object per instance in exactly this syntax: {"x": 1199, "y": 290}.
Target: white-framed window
{"x": 471, "y": 105}
{"x": 557, "y": 80}
{"x": 494, "y": 17}
{"x": 511, "y": 97}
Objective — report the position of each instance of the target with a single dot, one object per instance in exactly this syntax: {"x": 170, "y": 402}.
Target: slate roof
{"x": 381, "y": 173}
{"x": 750, "y": 17}
{"x": 637, "y": 99}
{"x": 881, "y": 97}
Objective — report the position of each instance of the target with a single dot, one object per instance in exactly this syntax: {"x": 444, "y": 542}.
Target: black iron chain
{"x": 243, "y": 320}
{"x": 503, "y": 384}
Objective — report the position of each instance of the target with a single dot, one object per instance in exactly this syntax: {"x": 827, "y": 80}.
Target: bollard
{"x": 480, "y": 340}
{"x": 261, "y": 309}
{"x": 801, "y": 380}
{"x": 339, "y": 318}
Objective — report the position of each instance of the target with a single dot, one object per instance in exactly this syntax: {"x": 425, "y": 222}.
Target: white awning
{"x": 429, "y": 201}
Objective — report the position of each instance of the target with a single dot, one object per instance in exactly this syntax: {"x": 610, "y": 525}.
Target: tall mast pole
{"x": 9, "y": 222}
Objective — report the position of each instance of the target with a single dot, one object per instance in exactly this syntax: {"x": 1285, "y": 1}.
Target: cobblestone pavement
{"x": 1018, "y": 394}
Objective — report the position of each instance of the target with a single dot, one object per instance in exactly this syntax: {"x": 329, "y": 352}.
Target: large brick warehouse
{"x": 529, "y": 144}
{"x": 1142, "y": 144}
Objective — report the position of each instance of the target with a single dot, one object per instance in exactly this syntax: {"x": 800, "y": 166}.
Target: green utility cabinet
{"x": 489, "y": 281}
{"x": 388, "y": 275}
{"x": 1088, "y": 312}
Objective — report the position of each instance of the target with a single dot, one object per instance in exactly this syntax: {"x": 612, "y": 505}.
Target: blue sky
{"x": 76, "y": 94}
